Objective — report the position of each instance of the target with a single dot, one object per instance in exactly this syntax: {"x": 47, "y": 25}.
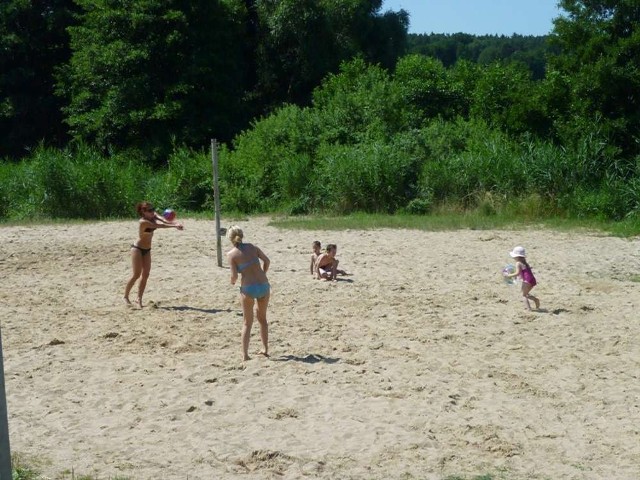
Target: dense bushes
{"x": 76, "y": 183}
{"x": 372, "y": 142}
{"x": 80, "y": 183}
{"x": 281, "y": 166}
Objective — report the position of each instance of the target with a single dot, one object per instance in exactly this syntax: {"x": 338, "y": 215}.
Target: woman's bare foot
{"x": 264, "y": 354}
{"x": 138, "y": 303}
{"x": 246, "y": 358}
{"x": 127, "y": 302}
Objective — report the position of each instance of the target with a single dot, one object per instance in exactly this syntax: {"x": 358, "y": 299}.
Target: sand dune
{"x": 421, "y": 364}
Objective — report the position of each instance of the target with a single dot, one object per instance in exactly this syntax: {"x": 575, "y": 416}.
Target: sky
{"x": 478, "y": 17}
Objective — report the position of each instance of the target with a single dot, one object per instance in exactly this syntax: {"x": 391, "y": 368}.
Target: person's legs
{"x": 247, "y": 315}
{"x": 328, "y": 272}
{"x": 261, "y": 311}
{"x": 535, "y": 299}
{"x": 146, "y": 270}
{"x": 325, "y": 273}
{"x": 526, "y": 296}
{"x": 136, "y": 266}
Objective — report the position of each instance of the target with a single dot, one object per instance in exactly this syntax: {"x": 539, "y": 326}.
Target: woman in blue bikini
{"x": 141, "y": 248}
{"x": 244, "y": 258}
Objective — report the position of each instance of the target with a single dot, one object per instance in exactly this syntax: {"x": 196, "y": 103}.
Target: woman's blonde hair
{"x": 235, "y": 235}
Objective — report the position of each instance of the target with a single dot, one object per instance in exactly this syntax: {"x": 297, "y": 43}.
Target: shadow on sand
{"x": 339, "y": 279}
{"x": 185, "y": 308}
{"x": 312, "y": 358}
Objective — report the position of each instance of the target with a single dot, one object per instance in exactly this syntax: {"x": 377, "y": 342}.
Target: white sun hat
{"x": 518, "y": 252}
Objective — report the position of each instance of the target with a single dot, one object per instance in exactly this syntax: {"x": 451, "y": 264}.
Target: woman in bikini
{"x": 141, "y": 248}
{"x": 244, "y": 258}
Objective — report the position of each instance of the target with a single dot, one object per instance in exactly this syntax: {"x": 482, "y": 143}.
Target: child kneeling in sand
{"x": 326, "y": 266}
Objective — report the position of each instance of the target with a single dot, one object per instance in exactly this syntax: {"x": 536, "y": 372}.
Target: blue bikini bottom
{"x": 256, "y": 290}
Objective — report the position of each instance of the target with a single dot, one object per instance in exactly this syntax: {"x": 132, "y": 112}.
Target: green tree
{"x": 506, "y": 97}
{"x": 381, "y": 37}
{"x": 146, "y": 73}
{"x": 483, "y": 49}
{"x": 599, "y": 43}
{"x": 428, "y": 86}
{"x": 300, "y": 41}
{"x": 359, "y": 105}
{"x": 33, "y": 42}
{"x": 465, "y": 75}
{"x": 294, "y": 51}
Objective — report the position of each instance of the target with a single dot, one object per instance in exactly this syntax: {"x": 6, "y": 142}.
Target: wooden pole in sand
{"x": 216, "y": 197}
{"x": 5, "y": 450}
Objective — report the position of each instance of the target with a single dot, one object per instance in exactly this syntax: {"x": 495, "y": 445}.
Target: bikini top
{"x": 149, "y": 229}
{"x": 244, "y": 265}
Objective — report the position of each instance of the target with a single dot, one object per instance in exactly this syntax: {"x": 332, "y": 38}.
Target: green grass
{"x": 28, "y": 469}
{"x": 454, "y": 221}
{"x": 23, "y": 470}
{"x": 448, "y": 218}
{"x": 24, "y": 473}
{"x": 27, "y": 473}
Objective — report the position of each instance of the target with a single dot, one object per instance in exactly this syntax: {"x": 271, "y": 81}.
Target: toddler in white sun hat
{"x": 523, "y": 270}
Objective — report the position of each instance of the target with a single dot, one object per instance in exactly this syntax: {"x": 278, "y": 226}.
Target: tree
{"x": 429, "y": 87}
{"x": 483, "y": 49}
{"x": 301, "y": 41}
{"x": 599, "y": 42}
{"x": 146, "y": 73}
{"x": 295, "y": 50}
{"x": 33, "y": 42}
{"x": 358, "y": 105}
{"x": 506, "y": 97}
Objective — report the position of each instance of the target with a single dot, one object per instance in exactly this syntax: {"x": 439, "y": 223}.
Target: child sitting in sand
{"x": 326, "y": 266}
{"x": 523, "y": 270}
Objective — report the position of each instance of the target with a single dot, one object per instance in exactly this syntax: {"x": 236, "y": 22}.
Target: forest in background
{"x": 529, "y": 50}
{"x": 322, "y": 106}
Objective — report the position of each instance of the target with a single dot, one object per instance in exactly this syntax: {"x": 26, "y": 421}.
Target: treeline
{"x": 400, "y": 137}
{"x": 485, "y": 49}
{"x": 145, "y": 75}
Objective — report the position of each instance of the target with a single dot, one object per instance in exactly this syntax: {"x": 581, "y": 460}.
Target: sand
{"x": 421, "y": 364}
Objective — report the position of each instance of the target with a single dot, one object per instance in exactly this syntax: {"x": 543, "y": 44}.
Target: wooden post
{"x": 216, "y": 198}
{"x": 5, "y": 450}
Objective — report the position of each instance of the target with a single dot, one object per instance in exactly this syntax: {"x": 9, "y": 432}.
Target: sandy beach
{"x": 421, "y": 364}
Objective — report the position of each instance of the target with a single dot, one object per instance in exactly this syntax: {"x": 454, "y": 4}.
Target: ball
{"x": 169, "y": 215}
{"x": 508, "y": 270}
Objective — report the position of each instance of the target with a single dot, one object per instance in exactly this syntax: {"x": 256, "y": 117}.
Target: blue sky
{"x": 478, "y": 17}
